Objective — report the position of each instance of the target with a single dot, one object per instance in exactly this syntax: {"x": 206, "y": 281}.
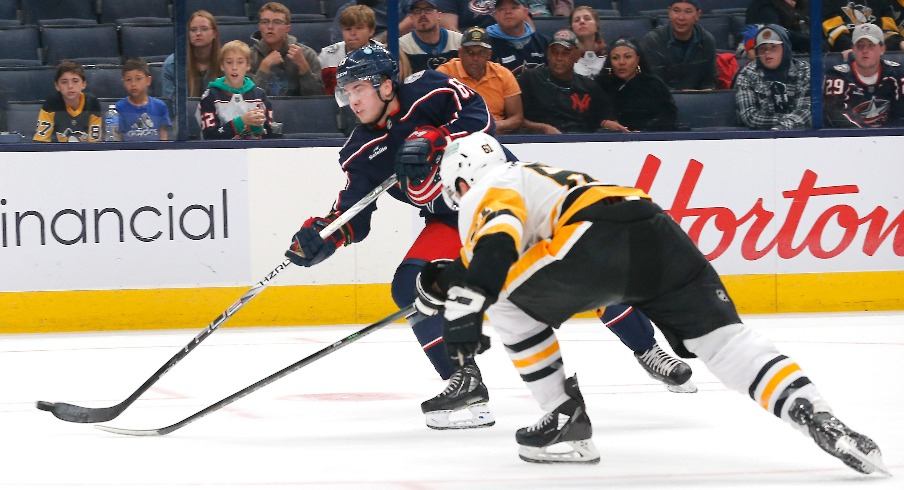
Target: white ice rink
{"x": 352, "y": 419}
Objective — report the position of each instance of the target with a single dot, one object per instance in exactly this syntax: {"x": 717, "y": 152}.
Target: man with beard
{"x": 429, "y": 44}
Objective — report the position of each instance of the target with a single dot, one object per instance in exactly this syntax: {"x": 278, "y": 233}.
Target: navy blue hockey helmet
{"x": 372, "y": 63}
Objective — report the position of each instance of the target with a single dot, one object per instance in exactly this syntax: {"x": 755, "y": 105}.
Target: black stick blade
{"x": 80, "y": 415}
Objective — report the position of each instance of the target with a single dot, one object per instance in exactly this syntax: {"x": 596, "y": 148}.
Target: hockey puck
{"x": 46, "y": 406}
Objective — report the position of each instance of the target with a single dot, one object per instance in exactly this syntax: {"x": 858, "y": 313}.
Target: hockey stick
{"x": 264, "y": 382}
{"x": 75, "y": 413}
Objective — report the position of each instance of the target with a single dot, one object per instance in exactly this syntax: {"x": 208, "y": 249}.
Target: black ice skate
{"x": 567, "y": 424}
{"x": 464, "y": 391}
{"x": 855, "y": 450}
{"x": 674, "y": 373}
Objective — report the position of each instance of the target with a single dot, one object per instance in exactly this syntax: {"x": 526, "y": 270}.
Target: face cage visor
{"x": 343, "y": 96}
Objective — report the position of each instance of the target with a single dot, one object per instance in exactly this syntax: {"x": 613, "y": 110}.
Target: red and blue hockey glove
{"x": 463, "y": 322}
{"x": 308, "y": 248}
{"x": 420, "y": 154}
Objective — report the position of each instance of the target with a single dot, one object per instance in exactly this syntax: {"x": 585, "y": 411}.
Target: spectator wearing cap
{"x": 642, "y": 101}
{"x": 773, "y": 91}
{"x": 865, "y": 92}
{"x": 516, "y": 45}
{"x": 840, "y": 18}
{"x": 558, "y": 100}
{"x": 358, "y": 26}
{"x": 682, "y": 53}
{"x": 429, "y": 44}
{"x": 494, "y": 82}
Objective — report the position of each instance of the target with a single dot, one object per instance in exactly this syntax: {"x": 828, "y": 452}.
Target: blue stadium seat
{"x": 156, "y": 79}
{"x": 9, "y": 10}
{"x": 634, "y": 7}
{"x": 26, "y": 84}
{"x": 608, "y": 13}
{"x": 596, "y": 4}
{"x": 35, "y": 10}
{"x": 22, "y": 118}
{"x": 315, "y": 35}
{"x": 113, "y": 11}
{"x": 636, "y": 27}
{"x": 331, "y": 7}
{"x": 97, "y": 44}
{"x": 194, "y": 129}
{"x": 549, "y": 25}
{"x": 22, "y": 43}
{"x": 105, "y": 81}
{"x": 307, "y": 117}
{"x": 309, "y": 7}
{"x": 241, "y": 31}
{"x": 231, "y": 8}
{"x": 707, "y": 110}
{"x": 151, "y": 42}
{"x": 724, "y": 6}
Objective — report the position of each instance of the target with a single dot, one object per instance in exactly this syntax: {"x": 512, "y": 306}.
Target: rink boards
{"x": 169, "y": 238}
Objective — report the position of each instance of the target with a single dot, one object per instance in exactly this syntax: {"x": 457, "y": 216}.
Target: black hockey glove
{"x": 420, "y": 154}
{"x": 308, "y": 248}
{"x": 430, "y": 295}
{"x": 463, "y": 322}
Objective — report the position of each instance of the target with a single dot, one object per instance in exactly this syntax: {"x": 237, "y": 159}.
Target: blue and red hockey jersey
{"x": 426, "y": 98}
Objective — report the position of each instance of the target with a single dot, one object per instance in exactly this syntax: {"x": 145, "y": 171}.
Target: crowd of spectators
{"x": 571, "y": 81}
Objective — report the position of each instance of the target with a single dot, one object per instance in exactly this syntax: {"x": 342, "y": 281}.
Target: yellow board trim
{"x": 74, "y": 311}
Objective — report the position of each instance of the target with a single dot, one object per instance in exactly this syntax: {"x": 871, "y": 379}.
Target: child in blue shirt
{"x": 141, "y": 117}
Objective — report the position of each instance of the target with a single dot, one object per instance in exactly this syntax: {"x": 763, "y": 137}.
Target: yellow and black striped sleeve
{"x": 44, "y": 127}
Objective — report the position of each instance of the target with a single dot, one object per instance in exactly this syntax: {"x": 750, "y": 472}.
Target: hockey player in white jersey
{"x": 540, "y": 244}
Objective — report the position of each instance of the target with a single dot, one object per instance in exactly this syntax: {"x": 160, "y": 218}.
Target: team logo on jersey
{"x": 580, "y": 104}
{"x": 859, "y": 14}
{"x": 414, "y": 77}
{"x": 482, "y": 7}
{"x": 873, "y": 112}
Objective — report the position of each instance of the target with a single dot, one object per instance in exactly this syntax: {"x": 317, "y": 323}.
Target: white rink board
{"x": 272, "y": 190}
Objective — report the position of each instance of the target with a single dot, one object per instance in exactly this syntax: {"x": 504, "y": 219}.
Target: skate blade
{"x": 471, "y": 417}
{"x": 571, "y": 452}
{"x": 871, "y": 461}
{"x": 688, "y": 387}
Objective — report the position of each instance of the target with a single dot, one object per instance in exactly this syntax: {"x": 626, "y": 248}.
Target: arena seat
{"x": 26, "y": 84}
{"x": 549, "y": 25}
{"x": 116, "y": 11}
{"x": 37, "y": 10}
{"x": 240, "y": 31}
{"x": 22, "y": 118}
{"x": 636, "y": 27}
{"x": 297, "y": 7}
{"x": 153, "y": 43}
{"x": 231, "y": 8}
{"x": 105, "y": 81}
{"x": 20, "y": 43}
{"x": 314, "y": 34}
{"x": 307, "y": 117}
{"x": 97, "y": 44}
{"x": 708, "y": 110}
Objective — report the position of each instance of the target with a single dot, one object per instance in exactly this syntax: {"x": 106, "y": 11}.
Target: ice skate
{"x": 568, "y": 426}
{"x": 674, "y": 373}
{"x": 465, "y": 391}
{"x": 855, "y": 450}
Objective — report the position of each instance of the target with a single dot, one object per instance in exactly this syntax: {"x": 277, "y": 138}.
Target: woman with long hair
{"x": 201, "y": 58}
{"x": 585, "y": 23}
{"x": 642, "y": 101}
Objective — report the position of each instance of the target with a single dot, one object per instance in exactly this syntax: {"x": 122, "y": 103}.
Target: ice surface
{"x": 352, "y": 419}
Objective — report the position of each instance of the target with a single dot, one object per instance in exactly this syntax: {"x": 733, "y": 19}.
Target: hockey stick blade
{"x": 266, "y": 381}
{"x": 85, "y": 415}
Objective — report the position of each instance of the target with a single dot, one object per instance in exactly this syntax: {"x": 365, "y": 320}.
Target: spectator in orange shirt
{"x": 494, "y": 82}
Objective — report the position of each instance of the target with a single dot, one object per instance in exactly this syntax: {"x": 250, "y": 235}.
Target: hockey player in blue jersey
{"x": 404, "y": 129}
